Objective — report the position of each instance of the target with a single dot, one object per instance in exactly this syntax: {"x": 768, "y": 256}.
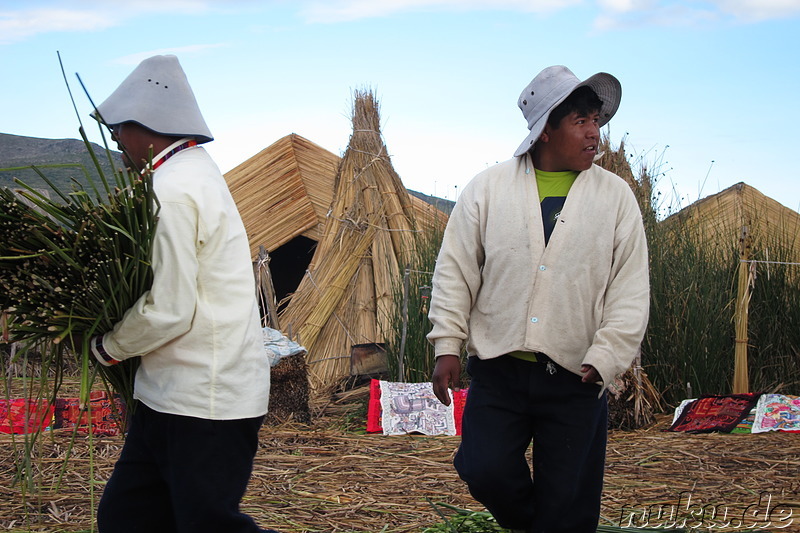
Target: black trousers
{"x": 180, "y": 474}
{"x": 512, "y": 402}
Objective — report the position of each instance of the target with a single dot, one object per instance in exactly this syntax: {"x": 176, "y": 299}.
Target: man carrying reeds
{"x": 543, "y": 273}
{"x": 203, "y": 381}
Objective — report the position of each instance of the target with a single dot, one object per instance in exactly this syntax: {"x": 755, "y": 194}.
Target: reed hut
{"x": 284, "y": 194}
{"x": 743, "y": 225}
{"x": 338, "y": 232}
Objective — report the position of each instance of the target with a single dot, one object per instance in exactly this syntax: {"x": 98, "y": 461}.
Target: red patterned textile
{"x": 715, "y": 413}
{"x": 106, "y": 414}
{"x": 22, "y": 416}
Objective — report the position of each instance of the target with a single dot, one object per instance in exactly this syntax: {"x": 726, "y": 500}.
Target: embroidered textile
{"x": 777, "y": 412}
{"x": 715, "y": 413}
{"x": 397, "y": 408}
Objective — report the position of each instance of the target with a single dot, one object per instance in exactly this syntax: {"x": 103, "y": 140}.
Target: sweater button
{"x": 542, "y": 268}
{"x": 534, "y": 320}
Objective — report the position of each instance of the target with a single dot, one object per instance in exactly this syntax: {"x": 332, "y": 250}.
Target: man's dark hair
{"x": 582, "y": 100}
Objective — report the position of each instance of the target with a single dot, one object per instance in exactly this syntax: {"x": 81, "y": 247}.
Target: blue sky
{"x": 709, "y": 87}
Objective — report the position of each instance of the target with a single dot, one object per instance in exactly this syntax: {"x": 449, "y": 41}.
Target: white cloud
{"x": 348, "y": 10}
{"x": 92, "y": 15}
{"x": 623, "y": 6}
{"x": 757, "y": 10}
{"x": 19, "y": 25}
{"x": 680, "y": 13}
{"x": 667, "y": 14}
{"x": 612, "y": 13}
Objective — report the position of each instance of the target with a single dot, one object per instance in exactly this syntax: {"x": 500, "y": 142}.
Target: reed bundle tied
{"x": 71, "y": 266}
{"x": 345, "y": 297}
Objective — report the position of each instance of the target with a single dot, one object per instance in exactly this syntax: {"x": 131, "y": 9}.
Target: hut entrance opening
{"x": 288, "y": 264}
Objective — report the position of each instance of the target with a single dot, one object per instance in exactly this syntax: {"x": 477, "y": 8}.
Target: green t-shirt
{"x": 553, "y": 189}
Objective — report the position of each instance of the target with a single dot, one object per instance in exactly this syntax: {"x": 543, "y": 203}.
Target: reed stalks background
{"x": 410, "y": 357}
{"x": 689, "y": 346}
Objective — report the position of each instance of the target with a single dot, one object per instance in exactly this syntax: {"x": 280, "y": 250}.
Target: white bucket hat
{"x": 551, "y": 87}
{"x": 157, "y": 95}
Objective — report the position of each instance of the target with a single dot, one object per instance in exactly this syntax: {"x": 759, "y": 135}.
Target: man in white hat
{"x": 203, "y": 382}
{"x": 543, "y": 273}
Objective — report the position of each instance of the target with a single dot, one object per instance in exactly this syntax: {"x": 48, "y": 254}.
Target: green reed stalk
{"x": 416, "y": 352}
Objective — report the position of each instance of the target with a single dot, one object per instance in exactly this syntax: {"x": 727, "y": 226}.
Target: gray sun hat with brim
{"x": 551, "y": 87}
{"x": 156, "y": 95}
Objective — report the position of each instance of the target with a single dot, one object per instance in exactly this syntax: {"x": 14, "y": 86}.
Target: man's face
{"x": 132, "y": 140}
{"x": 573, "y": 145}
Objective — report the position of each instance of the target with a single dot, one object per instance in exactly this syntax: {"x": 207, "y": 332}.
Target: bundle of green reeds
{"x": 72, "y": 265}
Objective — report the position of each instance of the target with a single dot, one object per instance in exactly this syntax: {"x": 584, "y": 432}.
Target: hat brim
{"x": 608, "y": 89}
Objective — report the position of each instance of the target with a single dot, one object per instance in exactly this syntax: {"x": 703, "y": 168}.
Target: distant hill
{"x": 441, "y": 204}
{"x": 18, "y": 151}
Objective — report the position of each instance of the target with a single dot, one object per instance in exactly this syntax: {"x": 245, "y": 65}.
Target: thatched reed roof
{"x": 719, "y": 220}
{"x": 716, "y": 221}
{"x": 286, "y": 190}
{"x": 345, "y": 297}
{"x": 356, "y": 218}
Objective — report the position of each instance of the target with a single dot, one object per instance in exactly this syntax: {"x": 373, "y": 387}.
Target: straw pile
{"x": 345, "y": 296}
{"x": 633, "y": 401}
{"x": 324, "y": 478}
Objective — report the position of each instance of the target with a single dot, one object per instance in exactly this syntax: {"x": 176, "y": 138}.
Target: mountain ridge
{"x": 62, "y": 161}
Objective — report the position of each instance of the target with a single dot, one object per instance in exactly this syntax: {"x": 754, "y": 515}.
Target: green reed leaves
{"x": 72, "y": 265}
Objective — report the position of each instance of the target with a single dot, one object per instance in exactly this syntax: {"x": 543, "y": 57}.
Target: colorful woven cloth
{"x": 745, "y": 425}
{"x": 715, "y": 413}
{"x": 22, "y": 416}
{"x": 397, "y": 408}
{"x": 106, "y": 414}
{"x": 777, "y": 412}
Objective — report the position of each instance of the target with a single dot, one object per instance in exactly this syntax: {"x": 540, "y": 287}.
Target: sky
{"x": 709, "y": 88}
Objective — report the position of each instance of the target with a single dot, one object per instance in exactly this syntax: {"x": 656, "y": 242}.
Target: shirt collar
{"x": 169, "y": 151}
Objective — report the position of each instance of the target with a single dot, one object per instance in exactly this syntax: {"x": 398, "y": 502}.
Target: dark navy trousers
{"x": 179, "y": 474}
{"x": 511, "y": 403}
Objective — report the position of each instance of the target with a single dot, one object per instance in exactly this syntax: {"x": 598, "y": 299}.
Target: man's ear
{"x": 545, "y": 136}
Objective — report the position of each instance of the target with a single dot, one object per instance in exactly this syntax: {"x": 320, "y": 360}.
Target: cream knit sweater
{"x": 582, "y": 299}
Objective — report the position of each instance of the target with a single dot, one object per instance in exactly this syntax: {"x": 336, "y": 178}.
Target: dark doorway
{"x": 288, "y": 264}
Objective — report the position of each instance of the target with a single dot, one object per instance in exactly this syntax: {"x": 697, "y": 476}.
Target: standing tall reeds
{"x": 410, "y": 357}
{"x": 689, "y": 346}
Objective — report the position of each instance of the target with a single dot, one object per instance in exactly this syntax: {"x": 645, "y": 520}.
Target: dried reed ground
{"x": 325, "y": 477}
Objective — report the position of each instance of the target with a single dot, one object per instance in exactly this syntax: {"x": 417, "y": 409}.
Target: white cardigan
{"x": 198, "y": 328}
{"x": 582, "y": 299}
